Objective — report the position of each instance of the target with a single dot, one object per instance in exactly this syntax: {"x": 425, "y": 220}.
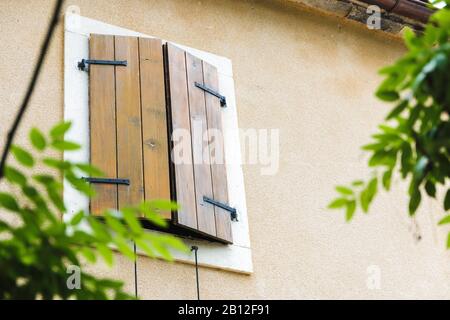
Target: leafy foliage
{"x": 36, "y": 250}
{"x": 414, "y": 141}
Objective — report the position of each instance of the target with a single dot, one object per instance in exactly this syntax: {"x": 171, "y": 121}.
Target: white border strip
{"x": 235, "y": 257}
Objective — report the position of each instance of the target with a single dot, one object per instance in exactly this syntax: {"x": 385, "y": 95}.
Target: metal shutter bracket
{"x": 107, "y": 181}
{"x": 233, "y": 211}
{"x": 223, "y": 99}
{"x": 83, "y": 64}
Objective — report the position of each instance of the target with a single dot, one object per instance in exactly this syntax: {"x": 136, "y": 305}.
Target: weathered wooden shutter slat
{"x": 103, "y": 121}
{"x": 200, "y": 148}
{"x": 154, "y": 121}
{"x": 218, "y": 168}
{"x": 181, "y": 122}
{"x": 129, "y": 124}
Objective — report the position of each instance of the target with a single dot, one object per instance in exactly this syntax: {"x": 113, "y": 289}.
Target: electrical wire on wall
{"x": 37, "y": 70}
{"x": 135, "y": 271}
{"x": 195, "y": 249}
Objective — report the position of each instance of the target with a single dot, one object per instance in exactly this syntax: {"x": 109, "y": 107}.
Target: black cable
{"x": 195, "y": 249}
{"x": 31, "y": 86}
{"x": 135, "y": 271}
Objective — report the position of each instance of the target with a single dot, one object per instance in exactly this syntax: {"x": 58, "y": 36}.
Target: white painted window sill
{"x": 235, "y": 257}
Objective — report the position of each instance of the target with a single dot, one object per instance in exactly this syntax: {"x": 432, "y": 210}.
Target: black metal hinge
{"x": 82, "y": 65}
{"x": 232, "y": 210}
{"x": 223, "y": 99}
{"x": 108, "y": 181}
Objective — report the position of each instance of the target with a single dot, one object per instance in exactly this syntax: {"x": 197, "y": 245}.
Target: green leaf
{"x": 387, "y": 95}
{"x": 4, "y": 227}
{"x": 420, "y": 168}
{"x": 151, "y": 215}
{"x": 445, "y": 220}
{"x": 387, "y": 176}
{"x": 99, "y": 229}
{"x": 364, "y": 201}
{"x": 397, "y": 110}
{"x": 60, "y": 130}
{"x": 144, "y": 245}
{"x": 406, "y": 159}
{"x": 413, "y": 116}
{"x": 153, "y": 208}
{"x": 431, "y": 67}
{"x": 387, "y": 138}
{"x": 83, "y": 238}
{"x": 447, "y": 200}
{"x": 390, "y": 130}
{"x": 344, "y": 190}
{"x": 430, "y": 188}
{"x": 383, "y": 158}
{"x": 37, "y": 139}
{"x": 130, "y": 218}
{"x": 8, "y": 202}
{"x": 106, "y": 253}
{"x": 368, "y": 194}
{"x": 46, "y": 180}
{"x": 357, "y": 183}
{"x": 160, "y": 244}
{"x": 409, "y": 37}
{"x": 338, "y": 203}
{"x": 114, "y": 223}
{"x": 374, "y": 146}
{"x": 351, "y": 207}
{"x": 124, "y": 247}
{"x": 15, "y": 176}
{"x": 109, "y": 283}
{"x": 32, "y": 194}
{"x": 62, "y": 145}
{"x": 389, "y": 69}
{"x": 164, "y": 204}
{"x": 57, "y": 164}
{"x": 163, "y": 251}
{"x": 431, "y": 34}
{"x": 372, "y": 189}
{"x": 414, "y": 201}
{"x": 88, "y": 254}
{"x": 77, "y": 218}
{"x": 56, "y": 197}
{"x": 442, "y": 17}
{"x": 53, "y": 188}
{"x": 90, "y": 169}
{"x": 22, "y": 156}
{"x": 175, "y": 243}
{"x": 79, "y": 184}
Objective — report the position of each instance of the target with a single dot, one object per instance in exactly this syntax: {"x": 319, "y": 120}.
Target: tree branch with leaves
{"x": 41, "y": 242}
{"x": 36, "y": 251}
{"x": 414, "y": 140}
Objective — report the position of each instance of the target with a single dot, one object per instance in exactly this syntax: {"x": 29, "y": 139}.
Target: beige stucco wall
{"x": 309, "y": 75}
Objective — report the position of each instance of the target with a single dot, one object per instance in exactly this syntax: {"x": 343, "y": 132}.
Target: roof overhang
{"x": 395, "y": 14}
{"x": 412, "y": 9}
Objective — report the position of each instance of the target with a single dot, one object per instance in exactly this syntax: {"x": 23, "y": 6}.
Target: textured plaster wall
{"x": 309, "y": 75}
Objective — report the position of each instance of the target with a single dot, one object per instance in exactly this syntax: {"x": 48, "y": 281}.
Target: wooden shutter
{"x": 190, "y": 106}
{"x": 128, "y": 124}
{"x": 134, "y": 109}
{"x": 102, "y": 111}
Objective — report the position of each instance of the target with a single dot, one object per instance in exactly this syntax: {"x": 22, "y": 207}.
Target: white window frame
{"x": 235, "y": 257}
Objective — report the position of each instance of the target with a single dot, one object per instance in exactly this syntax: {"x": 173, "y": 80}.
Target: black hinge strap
{"x": 232, "y": 210}
{"x": 223, "y": 99}
{"x": 82, "y": 65}
{"x": 108, "y": 181}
